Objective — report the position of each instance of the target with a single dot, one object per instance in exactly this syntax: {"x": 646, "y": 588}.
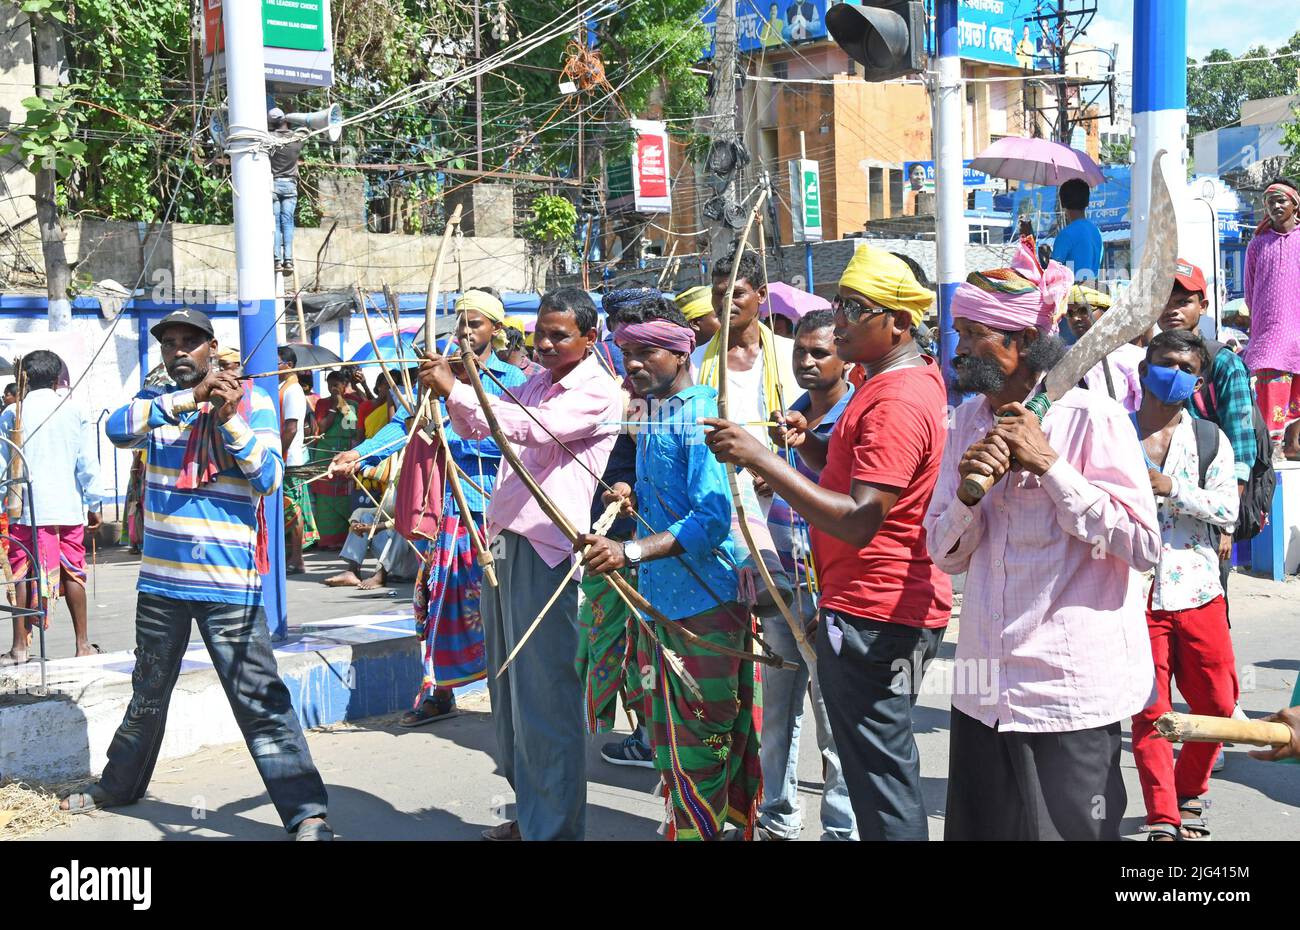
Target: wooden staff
{"x": 14, "y": 500}
{"x": 1195, "y": 728}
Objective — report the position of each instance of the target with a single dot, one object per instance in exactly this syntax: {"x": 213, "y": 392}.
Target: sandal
{"x": 89, "y": 798}
{"x": 7, "y": 660}
{"x": 1163, "y": 833}
{"x": 1194, "y": 812}
{"x": 430, "y": 709}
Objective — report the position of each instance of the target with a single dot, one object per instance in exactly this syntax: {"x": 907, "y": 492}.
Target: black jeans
{"x": 869, "y": 687}
{"x": 240, "y": 649}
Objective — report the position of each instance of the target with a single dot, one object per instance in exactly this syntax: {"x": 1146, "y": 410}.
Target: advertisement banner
{"x": 296, "y": 42}
{"x": 638, "y": 180}
{"x": 919, "y": 176}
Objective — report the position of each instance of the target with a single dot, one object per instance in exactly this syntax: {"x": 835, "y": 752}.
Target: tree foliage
{"x": 1215, "y": 94}
{"x": 137, "y": 95}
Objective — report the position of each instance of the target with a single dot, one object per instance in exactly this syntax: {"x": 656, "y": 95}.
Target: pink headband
{"x": 659, "y": 333}
{"x": 999, "y": 301}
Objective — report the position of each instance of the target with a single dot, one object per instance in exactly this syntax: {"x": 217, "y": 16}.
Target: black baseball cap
{"x": 196, "y": 318}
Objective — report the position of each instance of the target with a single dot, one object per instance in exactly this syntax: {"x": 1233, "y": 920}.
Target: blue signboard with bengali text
{"x": 992, "y": 31}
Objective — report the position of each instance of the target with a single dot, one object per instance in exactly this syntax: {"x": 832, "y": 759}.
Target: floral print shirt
{"x": 1187, "y": 575}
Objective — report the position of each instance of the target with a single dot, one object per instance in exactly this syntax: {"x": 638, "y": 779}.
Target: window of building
{"x": 895, "y": 191}
{"x": 876, "y": 192}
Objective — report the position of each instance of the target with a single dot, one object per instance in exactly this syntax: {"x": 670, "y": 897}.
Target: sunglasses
{"x": 855, "y": 310}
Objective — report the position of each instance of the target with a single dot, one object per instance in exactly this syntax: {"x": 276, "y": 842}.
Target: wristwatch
{"x": 631, "y": 552}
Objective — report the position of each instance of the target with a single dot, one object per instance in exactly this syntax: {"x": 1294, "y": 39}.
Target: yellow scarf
{"x": 490, "y": 307}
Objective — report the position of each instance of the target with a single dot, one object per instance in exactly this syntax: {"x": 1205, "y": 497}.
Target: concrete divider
{"x": 366, "y": 667}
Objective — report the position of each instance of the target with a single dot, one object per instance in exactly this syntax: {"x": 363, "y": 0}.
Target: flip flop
{"x": 417, "y": 718}
{"x": 7, "y": 660}
{"x": 88, "y": 798}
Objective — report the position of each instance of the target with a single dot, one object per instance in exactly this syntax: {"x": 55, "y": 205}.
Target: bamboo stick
{"x": 1195, "y": 728}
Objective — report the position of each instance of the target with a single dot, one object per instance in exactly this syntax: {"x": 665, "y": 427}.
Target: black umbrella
{"x": 306, "y": 354}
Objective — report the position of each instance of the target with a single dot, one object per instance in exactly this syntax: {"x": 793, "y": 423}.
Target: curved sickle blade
{"x": 1138, "y": 308}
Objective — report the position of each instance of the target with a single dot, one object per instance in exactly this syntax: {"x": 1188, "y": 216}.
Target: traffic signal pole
{"x": 1159, "y": 105}
{"x": 950, "y": 195}
{"x": 250, "y": 175}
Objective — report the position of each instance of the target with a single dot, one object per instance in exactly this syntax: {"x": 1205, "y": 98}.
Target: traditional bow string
{"x": 733, "y": 479}
{"x": 635, "y": 601}
{"x": 770, "y": 657}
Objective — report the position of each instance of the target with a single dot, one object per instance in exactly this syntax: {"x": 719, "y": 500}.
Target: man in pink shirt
{"x": 1053, "y": 651}
{"x": 1273, "y": 295}
{"x": 537, "y": 704}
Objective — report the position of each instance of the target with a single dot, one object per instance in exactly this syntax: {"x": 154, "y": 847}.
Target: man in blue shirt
{"x": 706, "y": 749}
{"x": 446, "y": 594}
{"x": 1078, "y": 244}
{"x": 212, "y": 446}
{"x": 59, "y": 457}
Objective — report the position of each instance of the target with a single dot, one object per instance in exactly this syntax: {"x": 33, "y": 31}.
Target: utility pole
{"x": 1159, "y": 105}
{"x": 51, "y": 72}
{"x": 1062, "y": 85}
{"x": 950, "y": 193}
{"x": 722, "y": 108}
{"x": 478, "y": 90}
{"x": 250, "y": 177}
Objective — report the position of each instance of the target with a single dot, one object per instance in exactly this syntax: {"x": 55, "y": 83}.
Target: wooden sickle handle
{"x": 973, "y": 488}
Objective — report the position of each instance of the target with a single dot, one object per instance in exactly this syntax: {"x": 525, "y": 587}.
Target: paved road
{"x": 439, "y": 782}
{"x": 112, "y": 601}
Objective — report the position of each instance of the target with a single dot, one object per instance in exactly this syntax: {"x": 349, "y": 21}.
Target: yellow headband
{"x": 487, "y": 305}
{"x": 695, "y": 302}
{"x": 1081, "y": 294}
{"x": 886, "y": 279}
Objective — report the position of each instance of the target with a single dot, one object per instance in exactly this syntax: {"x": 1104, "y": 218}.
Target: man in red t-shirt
{"x": 883, "y": 605}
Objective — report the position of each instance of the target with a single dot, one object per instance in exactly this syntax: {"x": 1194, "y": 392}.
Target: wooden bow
{"x": 733, "y": 477}
{"x": 635, "y": 601}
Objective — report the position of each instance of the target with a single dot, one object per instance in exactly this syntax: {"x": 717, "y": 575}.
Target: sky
{"x": 1211, "y": 24}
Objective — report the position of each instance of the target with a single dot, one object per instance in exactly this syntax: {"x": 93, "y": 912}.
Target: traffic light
{"x": 886, "y": 37}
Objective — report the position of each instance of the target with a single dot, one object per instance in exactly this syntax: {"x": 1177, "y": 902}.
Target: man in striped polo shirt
{"x": 212, "y": 445}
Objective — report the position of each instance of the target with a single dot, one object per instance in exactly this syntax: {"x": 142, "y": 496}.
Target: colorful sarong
{"x": 707, "y": 751}
{"x": 1279, "y": 400}
{"x": 297, "y": 505}
{"x": 607, "y": 656}
{"x": 447, "y": 611}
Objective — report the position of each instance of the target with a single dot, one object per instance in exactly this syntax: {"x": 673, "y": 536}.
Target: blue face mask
{"x": 1169, "y": 385}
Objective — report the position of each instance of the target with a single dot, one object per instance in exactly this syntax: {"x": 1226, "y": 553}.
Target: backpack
{"x": 1262, "y": 481}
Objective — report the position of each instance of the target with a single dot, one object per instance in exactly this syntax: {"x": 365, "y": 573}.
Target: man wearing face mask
{"x": 213, "y": 450}
{"x": 1190, "y": 463}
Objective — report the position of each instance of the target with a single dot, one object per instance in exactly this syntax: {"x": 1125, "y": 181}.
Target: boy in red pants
{"x": 1190, "y": 463}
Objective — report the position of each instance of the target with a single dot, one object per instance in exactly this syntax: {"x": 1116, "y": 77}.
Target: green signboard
{"x": 806, "y": 191}
{"x": 294, "y": 24}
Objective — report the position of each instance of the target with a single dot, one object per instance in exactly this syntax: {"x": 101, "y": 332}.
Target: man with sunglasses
{"x": 883, "y": 605}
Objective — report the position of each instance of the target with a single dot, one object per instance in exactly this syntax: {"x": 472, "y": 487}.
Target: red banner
{"x": 213, "y": 39}
{"x": 652, "y": 165}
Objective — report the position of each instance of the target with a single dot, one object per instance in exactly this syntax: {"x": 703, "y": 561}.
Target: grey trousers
{"x": 537, "y": 703}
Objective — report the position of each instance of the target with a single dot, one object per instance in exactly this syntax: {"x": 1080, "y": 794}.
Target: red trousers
{"x": 1192, "y": 646}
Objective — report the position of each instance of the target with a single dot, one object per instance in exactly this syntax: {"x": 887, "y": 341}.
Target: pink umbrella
{"x": 791, "y": 302}
{"x": 1038, "y": 161}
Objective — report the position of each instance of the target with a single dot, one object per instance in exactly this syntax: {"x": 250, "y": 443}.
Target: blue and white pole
{"x": 1159, "y": 105}
{"x": 250, "y": 175}
{"x": 950, "y": 194}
